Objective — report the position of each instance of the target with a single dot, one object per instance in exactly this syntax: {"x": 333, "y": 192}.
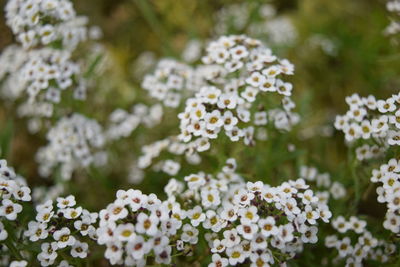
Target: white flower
{"x": 125, "y": 232}
{"x": 10, "y": 209}
{"x": 138, "y": 248}
{"x": 248, "y": 215}
{"x": 3, "y": 232}
{"x": 147, "y": 224}
{"x": 344, "y": 247}
{"x": 235, "y": 254}
{"x": 210, "y": 198}
{"x": 164, "y": 256}
{"x": 189, "y": 234}
{"x": 231, "y": 238}
{"x": 36, "y": 231}
{"x": 63, "y": 203}
{"x": 117, "y": 210}
{"x": 392, "y": 222}
{"x": 309, "y": 234}
{"x": 218, "y": 261}
{"x": 72, "y": 213}
{"x": 247, "y": 230}
{"x": 196, "y": 216}
{"x": 64, "y": 238}
{"x": 79, "y": 250}
{"x": 268, "y": 227}
{"x": 22, "y": 263}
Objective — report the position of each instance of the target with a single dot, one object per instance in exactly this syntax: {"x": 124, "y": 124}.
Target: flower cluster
{"x": 135, "y": 225}
{"x": 371, "y": 119}
{"x": 123, "y": 123}
{"x": 172, "y": 81}
{"x": 242, "y": 221}
{"x": 43, "y": 75}
{"x": 356, "y": 244}
{"x": 43, "y": 68}
{"x": 251, "y": 221}
{"x": 388, "y": 175}
{"x": 41, "y": 22}
{"x": 13, "y": 191}
{"x": 322, "y": 181}
{"x": 60, "y": 228}
{"x": 173, "y": 146}
{"x": 393, "y": 6}
{"x": 75, "y": 141}
{"x": 250, "y": 69}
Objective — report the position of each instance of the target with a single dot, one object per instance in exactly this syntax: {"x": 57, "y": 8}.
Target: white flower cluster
{"x": 135, "y": 225}
{"x": 75, "y": 141}
{"x": 61, "y": 228}
{"x": 393, "y": 6}
{"x": 172, "y": 146}
{"x": 367, "y": 152}
{"x": 41, "y": 22}
{"x": 123, "y": 123}
{"x": 389, "y": 192}
{"x": 172, "y": 81}
{"x": 251, "y": 220}
{"x": 356, "y": 244}
{"x": 42, "y": 68}
{"x": 42, "y": 74}
{"x": 13, "y": 191}
{"x": 322, "y": 181}
{"x": 371, "y": 119}
{"x": 250, "y": 69}
{"x": 242, "y": 221}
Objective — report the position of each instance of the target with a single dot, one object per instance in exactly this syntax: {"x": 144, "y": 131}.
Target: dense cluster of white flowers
{"x": 322, "y": 181}
{"x": 123, "y": 123}
{"x": 249, "y": 69}
{"x": 172, "y": 81}
{"x": 389, "y": 192}
{"x": 42, "y": 75}
{"x": 61, "y": 228}
{"x": 74, "y": 142}
{"x": 13, "y": 191}
{"x": 356, "y": 244}
{"x": 377, "y": 122}
{"x": 393, "y": 6}
{"x": 41, "y": 22}
{"x": 371, "y": 119}
{"x": 43, "y": 68}
{"x": 242, "y": 221}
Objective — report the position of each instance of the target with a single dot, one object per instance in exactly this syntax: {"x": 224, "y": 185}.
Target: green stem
{"x": 13, "y": 249}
